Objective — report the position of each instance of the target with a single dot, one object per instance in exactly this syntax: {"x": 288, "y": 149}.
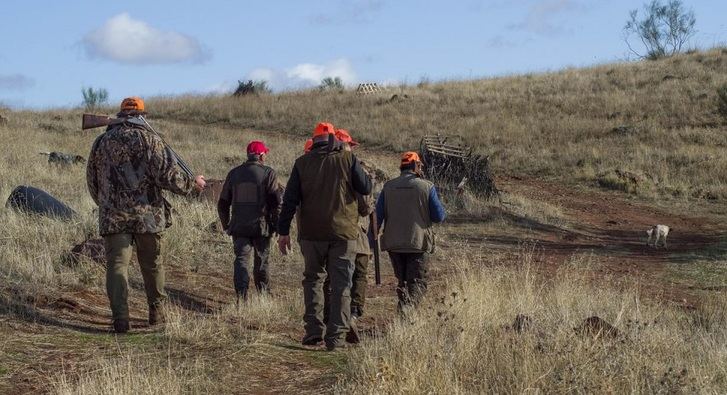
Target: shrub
{"x": 663, "y": 31}
{"x": 331, "y": 84}
{"x": 94, "y": 98}
{"x": 251, "y": 87}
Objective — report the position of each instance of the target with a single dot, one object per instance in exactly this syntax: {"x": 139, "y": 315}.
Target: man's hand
{"x": 284, "y": 244}
{"x": 199, "y": 182}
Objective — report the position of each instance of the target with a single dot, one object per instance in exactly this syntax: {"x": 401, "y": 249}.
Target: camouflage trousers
{"x": 119, "y": 248}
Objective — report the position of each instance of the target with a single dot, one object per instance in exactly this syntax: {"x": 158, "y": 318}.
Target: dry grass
{"x": 133, "y": 374}
{"x": 460, "y": 343}
{"x": 555, "y": 125}
{"x": 537, "y": 211}
{"x": 253, "y": 322}
{"x": 560, "y": 125}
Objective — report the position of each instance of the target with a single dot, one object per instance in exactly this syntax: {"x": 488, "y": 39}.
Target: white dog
{"x": 657, "y": 232}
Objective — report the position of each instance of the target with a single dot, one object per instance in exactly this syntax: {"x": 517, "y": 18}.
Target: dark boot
{"x": 155, "y": 315}
{"x": 121, "y": 326}
{"x": 312, "y": 340}
{"x": 356, "y": 311}
{"x": 352, "y": 336}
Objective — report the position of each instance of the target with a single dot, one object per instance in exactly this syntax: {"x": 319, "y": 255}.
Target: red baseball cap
{"x": 257, "y": 147}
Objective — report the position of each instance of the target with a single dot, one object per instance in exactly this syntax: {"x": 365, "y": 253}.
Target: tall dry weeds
{"x": 133, "y": 374}
{"x": 465, "y": 342}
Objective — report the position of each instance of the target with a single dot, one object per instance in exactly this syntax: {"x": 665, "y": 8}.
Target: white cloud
{"x": 305, "y": 75}
{"x": 261, "y": 74}
{"x": 123, "y": 39}
{"x": 314, "y": 73}
{"x": 15, "y": 82}
{"x": 223, "y": 87}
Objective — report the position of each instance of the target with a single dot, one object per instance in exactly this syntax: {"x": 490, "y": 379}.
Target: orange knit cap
{"x": 308, "y": 146}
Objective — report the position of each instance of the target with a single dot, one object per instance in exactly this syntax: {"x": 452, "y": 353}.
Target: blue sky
{"x": 53, "y": 48}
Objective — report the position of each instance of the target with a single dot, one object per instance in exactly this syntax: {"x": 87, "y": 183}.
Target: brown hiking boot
{"x": 121, "y": 326}
{"x": 155, "y": 315}
{"x": 338, "y": 345}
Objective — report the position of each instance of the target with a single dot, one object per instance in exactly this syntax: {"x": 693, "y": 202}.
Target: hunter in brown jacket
{"x": 323, "y": 183}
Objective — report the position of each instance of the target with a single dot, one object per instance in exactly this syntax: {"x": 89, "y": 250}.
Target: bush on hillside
{"x": 663, "y": 31}
{"x": 331, "y": 84}
{"x": 251, "y": 87}
{"x": 94, "y": 98}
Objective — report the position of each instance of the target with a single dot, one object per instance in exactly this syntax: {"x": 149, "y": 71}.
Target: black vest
{"x": 248, "y": 185}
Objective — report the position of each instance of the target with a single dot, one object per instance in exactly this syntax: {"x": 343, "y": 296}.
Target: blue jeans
{"x": 243, "y": 247}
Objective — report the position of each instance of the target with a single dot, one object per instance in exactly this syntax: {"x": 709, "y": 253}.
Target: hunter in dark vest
{"x": 254, "y": 194}
{"x": 407, "y": 207}
{"x": 322, "y": 187}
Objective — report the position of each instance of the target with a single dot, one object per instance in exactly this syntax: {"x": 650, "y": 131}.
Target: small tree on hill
{"x": 94, "y": 98}
{"x": 331, "y": 83}
{"x": 663, "y": 30}
{"x": 251, "y": 87}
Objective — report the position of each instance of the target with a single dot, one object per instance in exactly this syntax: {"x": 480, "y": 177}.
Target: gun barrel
{"x": 91, "y": 121}
{"x": 377, "y": 258}
{"x": 182, "y": 164}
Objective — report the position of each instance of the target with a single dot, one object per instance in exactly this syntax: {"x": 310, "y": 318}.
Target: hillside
{"x": 588, "y": 159}
{"x": 657, "y": 119}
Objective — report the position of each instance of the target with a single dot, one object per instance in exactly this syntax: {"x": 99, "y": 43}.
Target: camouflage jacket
{"x": 127, "y": 169}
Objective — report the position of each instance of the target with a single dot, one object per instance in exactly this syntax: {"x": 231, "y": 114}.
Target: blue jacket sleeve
{"x": 380, "y": 205}
{"x": 436, "y": 209}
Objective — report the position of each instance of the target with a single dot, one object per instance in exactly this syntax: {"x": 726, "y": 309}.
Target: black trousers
{"x": 411, "y": 272}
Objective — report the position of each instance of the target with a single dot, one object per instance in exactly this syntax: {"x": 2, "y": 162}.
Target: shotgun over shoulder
{"x": 91, "y": 121}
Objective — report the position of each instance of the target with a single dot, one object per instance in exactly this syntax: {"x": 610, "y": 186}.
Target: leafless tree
{"x": 663, "y": 31}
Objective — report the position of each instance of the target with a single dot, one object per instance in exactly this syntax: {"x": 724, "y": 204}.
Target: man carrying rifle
{"x": 407, "y": 207}
{"x": 128, "y": 168}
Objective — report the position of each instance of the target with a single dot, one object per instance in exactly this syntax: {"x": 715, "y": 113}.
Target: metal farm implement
{"x": 453, "y": 163}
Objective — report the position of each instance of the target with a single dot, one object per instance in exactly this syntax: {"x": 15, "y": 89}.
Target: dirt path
{"x": 611, "y": 227}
